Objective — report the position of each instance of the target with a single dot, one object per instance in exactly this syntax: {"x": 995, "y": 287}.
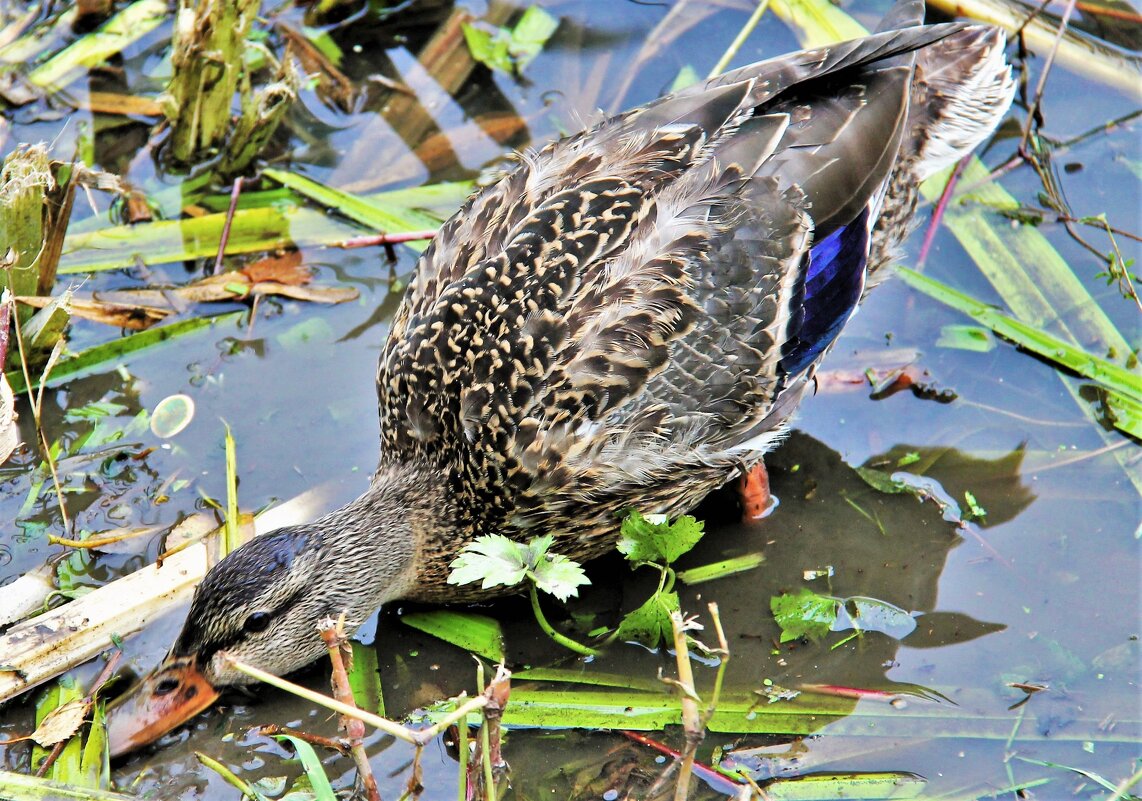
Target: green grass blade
{"x": 852, "y": 786}
{"x": 129, "y": 25}
{"x": 376, "y": 214}
{"x": 30, "y": 788}
{"x": 1039, "y": 342}
{"x": 254, "y": 230}
{"x": 118, "y": 351}
{"x": 311, "y": 764}
{"x": 231, "y": 536}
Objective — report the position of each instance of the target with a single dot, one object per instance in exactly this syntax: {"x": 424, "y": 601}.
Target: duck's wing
{"x": 651, "y": 295}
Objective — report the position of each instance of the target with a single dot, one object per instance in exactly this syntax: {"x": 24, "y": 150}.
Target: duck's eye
{"x": 258, "y": 621}
{"x": 166, "y": 686}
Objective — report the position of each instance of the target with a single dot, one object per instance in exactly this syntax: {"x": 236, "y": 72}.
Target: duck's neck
{"x": 375, "y": 541}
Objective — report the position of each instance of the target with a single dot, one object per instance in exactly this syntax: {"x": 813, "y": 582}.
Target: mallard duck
{"x": 627, "y": 318}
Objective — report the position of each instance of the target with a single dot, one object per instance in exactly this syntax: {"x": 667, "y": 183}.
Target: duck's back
{"x": 632, "y": 313}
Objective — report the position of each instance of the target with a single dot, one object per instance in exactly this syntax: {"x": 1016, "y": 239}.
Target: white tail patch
{"x": 967, "y": 96}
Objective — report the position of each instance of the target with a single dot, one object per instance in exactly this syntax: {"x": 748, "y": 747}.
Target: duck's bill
{"x": 172, "y": 694}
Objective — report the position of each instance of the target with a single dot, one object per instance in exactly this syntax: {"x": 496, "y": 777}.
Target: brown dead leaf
{"x": 132, "y": 316}
{"x": 313, "y": 294}
{"x": 62, "y": 723}
{"x": 230, "y": 286}
{"x": 285, "y": 268}
{"x": 138, "y": 209}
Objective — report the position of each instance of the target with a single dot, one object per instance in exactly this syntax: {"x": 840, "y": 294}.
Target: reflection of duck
{"x": 626, "y": 319}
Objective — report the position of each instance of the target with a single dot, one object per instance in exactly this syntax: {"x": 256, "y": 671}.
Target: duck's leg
{"x": 753, "y": 487}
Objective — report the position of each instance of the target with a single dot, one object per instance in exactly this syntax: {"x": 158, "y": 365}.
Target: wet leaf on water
{"x": 510, "y": 50}
{"x": 62, "y": 722}
{"x": 657, "y": 540}
{"x": 365, "y": 679}
{"x": 284, "y": 268}
{"x": 172, "y": 415}
{"x": 804, "y": 615}
{"x": 966, "y": 337}
{"x": 975, "y": 511}
{"x": 872, "y": 614}
{"x": 650, "y": 623}
{"x": 478, "y": 634}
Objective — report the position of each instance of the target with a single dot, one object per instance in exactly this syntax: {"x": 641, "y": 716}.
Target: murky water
{"x": 1045, "y": 590}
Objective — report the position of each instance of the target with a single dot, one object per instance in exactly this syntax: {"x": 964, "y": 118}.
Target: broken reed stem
{"x": 691, "y": 719}
{"x": 724, "y": 660}
{"x": 333, "y": 635}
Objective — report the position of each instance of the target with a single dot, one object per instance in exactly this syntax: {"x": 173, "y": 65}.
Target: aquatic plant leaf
{"x": 494, "y": 560}
{"x": 129, "y": 25}
{"x": 652, "y": 540}
{"x": 650, "y": 623}
{"x": 559, "y": 576}
{"x": 510, "y": 50}
{"x": 530, "y": 34}
{"x": 873, "y": 614}
{"x": 365, "y": 679}
{"x": 478, "y": 634}
{"x": 853, "y": 786}
{"x": 966, "y": 337}
{"x": 311, "y": 764}
{"x": 805, "y": 614}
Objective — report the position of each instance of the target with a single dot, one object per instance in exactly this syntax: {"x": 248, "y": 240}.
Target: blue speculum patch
{"x": 833, "y": 283}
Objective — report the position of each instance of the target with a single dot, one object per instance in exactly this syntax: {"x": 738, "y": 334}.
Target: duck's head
{"x": 261, "y": 605}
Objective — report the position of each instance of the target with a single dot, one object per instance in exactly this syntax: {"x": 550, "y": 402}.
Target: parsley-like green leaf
{"x": 650, "y": 623}
{"x": 560, "y": 576}
{"x": 805, "y": 614}
{"x": 493, "y": 559}
{"x": 645, "y": 541}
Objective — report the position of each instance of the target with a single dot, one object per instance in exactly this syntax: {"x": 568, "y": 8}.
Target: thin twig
{"x": 225, "y": 238}
{"x": 386, "y": 239}
{"x": 1033, "y": 113}
{"x": 941, "y": 207}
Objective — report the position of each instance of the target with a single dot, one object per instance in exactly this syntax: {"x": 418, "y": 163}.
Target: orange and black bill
{"x": 172, "y": 694}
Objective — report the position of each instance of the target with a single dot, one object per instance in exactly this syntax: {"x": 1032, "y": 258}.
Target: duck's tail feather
{"x": 962, "y": 88}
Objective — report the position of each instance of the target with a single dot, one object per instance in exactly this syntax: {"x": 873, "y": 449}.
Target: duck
{"x": 628, "y": 317}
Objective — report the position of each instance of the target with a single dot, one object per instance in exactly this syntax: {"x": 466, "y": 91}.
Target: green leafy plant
{"x": 496, "y": 561}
